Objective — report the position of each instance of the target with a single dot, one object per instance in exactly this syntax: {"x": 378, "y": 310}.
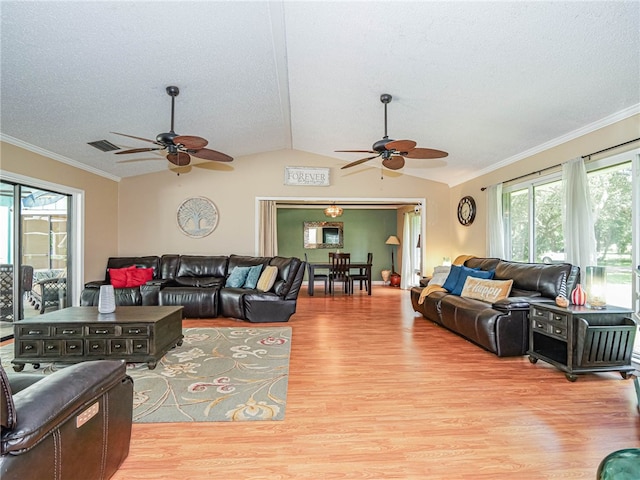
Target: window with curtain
{"x": 532, "y": 213}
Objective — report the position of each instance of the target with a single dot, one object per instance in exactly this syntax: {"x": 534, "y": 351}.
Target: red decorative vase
{"x": 578, "y": 296}
{"x": 395, "y": 280}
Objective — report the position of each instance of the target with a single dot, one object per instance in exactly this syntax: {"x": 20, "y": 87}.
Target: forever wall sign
{"x": 309, "y": 176}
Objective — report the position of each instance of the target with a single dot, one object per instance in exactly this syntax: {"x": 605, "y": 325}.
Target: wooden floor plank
{"x": 378, "y": 392}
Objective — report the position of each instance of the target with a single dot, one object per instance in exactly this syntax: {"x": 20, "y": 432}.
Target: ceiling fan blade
{"x": 425, "y": 153}
{"x": 395, "y": 162}
{"x": 356, "y": 151}
{"x": 401, "y": 145}
{"x": 180, "y": 159}
{"x": 137, "y": 138}
{"x": 208, "y": 154}
{"x": 190, "y": 142}
{"x": 138, "y": 150}
{"x": 358, "y": 162}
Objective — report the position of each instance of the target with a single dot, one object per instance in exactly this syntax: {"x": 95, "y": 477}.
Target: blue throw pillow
{"x": 470, "y": 272}
{"x": 253, "y": 276}
{"x": 237, "y": 277}
{"x": 452, "y": 279}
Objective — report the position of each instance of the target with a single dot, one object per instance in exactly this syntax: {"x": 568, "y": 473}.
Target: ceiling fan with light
{"x": 393, "y": 152}
{"x": 180, "y": 148}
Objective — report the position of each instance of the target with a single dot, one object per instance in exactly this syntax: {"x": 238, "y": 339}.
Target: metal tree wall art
{"x": 197, "y": 217}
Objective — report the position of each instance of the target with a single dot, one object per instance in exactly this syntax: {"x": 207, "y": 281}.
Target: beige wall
{"x": 101, "y": 201}
{"x": 472, "y": 239}
{"x": 147, "y": 223}
{"x": 137, "y": 215}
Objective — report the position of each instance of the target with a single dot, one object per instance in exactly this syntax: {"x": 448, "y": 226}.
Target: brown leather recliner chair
{"x": 72, "y": 424}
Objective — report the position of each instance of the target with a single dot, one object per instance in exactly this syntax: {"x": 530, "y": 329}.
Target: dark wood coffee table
{"x": 77, "y": 334}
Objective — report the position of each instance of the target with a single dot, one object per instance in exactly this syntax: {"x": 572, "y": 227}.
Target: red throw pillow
{"x": 118, "y": 276}
{"x": 139, "y": 276}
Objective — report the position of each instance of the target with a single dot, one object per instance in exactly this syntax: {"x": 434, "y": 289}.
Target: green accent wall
{"x": 365, "y": 230}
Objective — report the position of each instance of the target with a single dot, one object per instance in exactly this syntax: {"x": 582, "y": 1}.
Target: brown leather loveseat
{"x": 501, "y": 327}
{"x": 72, "y": 424}
{"x": 201, "y": 284}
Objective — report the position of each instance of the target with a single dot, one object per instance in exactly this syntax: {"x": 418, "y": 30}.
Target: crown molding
{"x": 58, "y": 158}
{"x": 592, "y": 127}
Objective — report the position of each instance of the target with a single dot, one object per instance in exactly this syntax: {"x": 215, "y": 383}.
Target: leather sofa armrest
{"x": 95, "y": 284}
{"x": 56, "y": 398}
{"x": 512, "y": 303}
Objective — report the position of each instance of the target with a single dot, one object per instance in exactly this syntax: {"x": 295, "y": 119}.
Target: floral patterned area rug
{"x": 216, "y": 375}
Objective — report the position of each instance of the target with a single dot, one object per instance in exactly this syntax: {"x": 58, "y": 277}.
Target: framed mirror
{"x": 323, "y": 235}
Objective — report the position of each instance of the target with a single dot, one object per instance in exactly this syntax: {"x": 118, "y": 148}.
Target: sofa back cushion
{"x": 482, "y": 263}
{"x": 287, "y": 270}
{"x": 202, "y": 266}
{"x": 246, "y": 261}
{"x": 169, "y": 266}
{"x": 538, "y": 277}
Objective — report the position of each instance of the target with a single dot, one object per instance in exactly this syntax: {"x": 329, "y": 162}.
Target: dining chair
{"x": 361, "y": 276}
{"x": 320, "y": 276}
{"x": 340, "y": 264}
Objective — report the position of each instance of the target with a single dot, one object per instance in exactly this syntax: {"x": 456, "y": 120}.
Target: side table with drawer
{"x": 578, "y": 339}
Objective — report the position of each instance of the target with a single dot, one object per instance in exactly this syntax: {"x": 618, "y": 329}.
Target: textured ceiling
{"x": 485, "y": 81}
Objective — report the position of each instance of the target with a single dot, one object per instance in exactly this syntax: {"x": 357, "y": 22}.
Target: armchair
{"x": 49, "y": 288}
{"x": 6, "y": 289}
{"x": 72, "y": 424}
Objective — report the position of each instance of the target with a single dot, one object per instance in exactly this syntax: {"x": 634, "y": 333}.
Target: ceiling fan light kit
{"x": 180, "y": 148}
{"x": 393, "y": 152}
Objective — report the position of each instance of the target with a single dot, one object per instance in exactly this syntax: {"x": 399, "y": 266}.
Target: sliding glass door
{"x": 34, "y": 250}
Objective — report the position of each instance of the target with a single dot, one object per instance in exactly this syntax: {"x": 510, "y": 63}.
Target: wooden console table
{"x": 581, "y": 340}
{"x": 76, "y": 334}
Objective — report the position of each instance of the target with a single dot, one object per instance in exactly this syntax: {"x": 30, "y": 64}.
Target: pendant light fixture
{"x": 333, "y": 211}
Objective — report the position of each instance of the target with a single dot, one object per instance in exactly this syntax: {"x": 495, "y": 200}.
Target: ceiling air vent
{"x": 104, "y": 145}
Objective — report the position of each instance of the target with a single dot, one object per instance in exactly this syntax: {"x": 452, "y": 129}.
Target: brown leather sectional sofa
{"x": 197, "y": 282}
{"x": 501, "y": 327}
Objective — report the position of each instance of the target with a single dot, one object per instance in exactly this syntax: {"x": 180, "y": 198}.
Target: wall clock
{"x": 197, "y": 217}
{"x": 466, "y": 210}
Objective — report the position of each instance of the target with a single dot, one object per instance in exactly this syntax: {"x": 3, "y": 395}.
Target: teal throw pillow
{"x": 237, "y": 277}
{"x": 253, "y": 276}
{"x": 470, "y": 272}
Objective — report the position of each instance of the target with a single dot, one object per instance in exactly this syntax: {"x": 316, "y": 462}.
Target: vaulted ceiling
{"x": 485, "y": 81}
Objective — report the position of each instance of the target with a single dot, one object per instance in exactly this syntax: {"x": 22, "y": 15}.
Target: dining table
{"x": 322, "y": 266}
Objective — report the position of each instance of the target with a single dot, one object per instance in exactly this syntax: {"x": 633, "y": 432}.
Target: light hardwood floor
{"x": 378, "y": 392}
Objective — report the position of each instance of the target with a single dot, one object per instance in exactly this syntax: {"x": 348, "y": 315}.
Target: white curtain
{"x": 579, "y": 231}
{"x": 268, "y": 234}
{"x": 495, "y": 225}
{"x": 410, "y": 252}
